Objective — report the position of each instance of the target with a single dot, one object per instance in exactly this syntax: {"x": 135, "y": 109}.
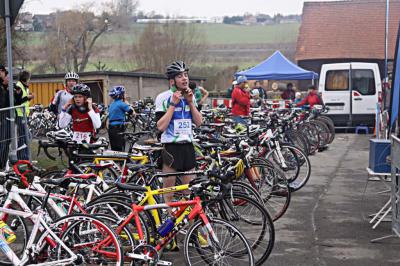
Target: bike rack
{"x": 395, "y": 190}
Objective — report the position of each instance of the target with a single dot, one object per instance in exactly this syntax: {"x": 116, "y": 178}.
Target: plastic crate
{"x": 379, "y": 150}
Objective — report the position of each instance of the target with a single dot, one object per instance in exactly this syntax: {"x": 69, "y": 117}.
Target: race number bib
{"x": 81, "y": 137}
{"x": 183, "y": 127}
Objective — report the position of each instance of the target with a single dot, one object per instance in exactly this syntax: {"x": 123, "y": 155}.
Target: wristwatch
{"x": 172, "y": 104}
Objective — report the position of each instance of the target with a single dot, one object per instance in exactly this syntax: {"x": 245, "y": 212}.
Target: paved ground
{"x": 325, "y": 223}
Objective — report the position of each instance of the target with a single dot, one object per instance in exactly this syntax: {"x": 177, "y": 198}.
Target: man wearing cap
{"x": 240, "y": 100}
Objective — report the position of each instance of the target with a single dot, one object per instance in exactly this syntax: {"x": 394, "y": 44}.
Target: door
{"x": 336, "y": 94}
{"x": 364, "y": 91}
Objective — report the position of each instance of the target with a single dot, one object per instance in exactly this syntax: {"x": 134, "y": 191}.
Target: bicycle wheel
{"x": 120, "y": 210}
{"x": 273, "y": 188}
{"x": 246, "y": 189}
{"x": 297, "y": 140}
{"x": 223, "y": 244}
{"x": 311, "y": 133}
{"x": 298, "y": 168}
{"x": 88, "y": 237}
{"x": 18, "y": 225}
{"x": 253, "y": 220}
{"x": 323, "y": 132}
{"x": 330, "y": 125}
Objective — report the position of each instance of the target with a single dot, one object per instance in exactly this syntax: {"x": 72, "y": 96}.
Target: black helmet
{"x": 81, "y": 89}
{"x": 176, "y": 68}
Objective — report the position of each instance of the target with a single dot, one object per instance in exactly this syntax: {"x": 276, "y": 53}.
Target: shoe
{"x": 202, "y": 236}
{"x": 202, "y": 240}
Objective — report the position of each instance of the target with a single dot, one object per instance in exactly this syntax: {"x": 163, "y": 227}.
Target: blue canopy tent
{"x": 277, "y": 67}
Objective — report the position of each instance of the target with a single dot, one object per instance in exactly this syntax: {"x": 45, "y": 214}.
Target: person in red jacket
{"x": 240, "y": 100}
{"x": 312, "y": 98}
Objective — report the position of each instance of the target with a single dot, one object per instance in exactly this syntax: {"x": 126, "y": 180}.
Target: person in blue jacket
{"x": 116, "y": 117}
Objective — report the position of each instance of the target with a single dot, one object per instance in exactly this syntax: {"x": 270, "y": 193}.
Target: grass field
{"x": 214, "y": 34}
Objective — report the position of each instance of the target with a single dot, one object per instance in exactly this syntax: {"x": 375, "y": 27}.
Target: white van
{"x": 351, "y": 91}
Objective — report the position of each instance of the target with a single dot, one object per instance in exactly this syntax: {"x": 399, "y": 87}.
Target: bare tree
{"x": 121, "y": 12}
{"x": 72, "y": 43}
{"x": 160, "y": 44}
{"x": 19, "y": 42}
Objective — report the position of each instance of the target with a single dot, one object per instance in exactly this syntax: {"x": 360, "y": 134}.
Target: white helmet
{"x": 60, "y": 135}
{"x": 71, "y": 75}
{"x": 254, "y": 92}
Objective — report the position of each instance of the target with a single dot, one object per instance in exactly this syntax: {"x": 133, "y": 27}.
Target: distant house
{"x": 177, "y": 20}
{"x": 24, "y": 22}
{"x": 249, "y": 20}
{"x": 43, "y": 22}
{"x": 346, "y": 31}
{"x": 288, "y": 20}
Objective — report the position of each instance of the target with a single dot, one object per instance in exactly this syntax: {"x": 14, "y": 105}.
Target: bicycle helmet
{"x": 60, "y": 135}
{"x": 176, "y": 68}
{"x": 71, "y": 75}
{"x": 117, "y": 92}
{"x": 82, "y": 89}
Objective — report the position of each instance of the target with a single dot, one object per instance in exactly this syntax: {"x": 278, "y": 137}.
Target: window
{"x": 363, "y": 81}
{"x": 337, "y": 80}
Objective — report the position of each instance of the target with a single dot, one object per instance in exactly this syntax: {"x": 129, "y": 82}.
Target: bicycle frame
{"x": 14, "y": 196}
{"x": 39, "y": 225}
{"x": 194, "y": 206}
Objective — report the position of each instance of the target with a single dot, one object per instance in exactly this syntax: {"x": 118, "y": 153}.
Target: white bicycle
{"x": 74, "y": 239}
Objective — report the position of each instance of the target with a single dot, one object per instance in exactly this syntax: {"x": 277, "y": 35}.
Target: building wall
{"x": 44, "y": 91}
{"x": 150, "y": 87}
{"x": 44, "y": 88}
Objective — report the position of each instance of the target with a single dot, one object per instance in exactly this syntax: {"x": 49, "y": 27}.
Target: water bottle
{"x": 166, "y": 227}
{"x": 6, "y": 232}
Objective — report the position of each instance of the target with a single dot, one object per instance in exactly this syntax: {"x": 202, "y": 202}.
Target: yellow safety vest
{"x": 26, "y": 104}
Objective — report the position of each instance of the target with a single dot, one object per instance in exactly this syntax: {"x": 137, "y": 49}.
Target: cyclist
{"x": 176, "y": 110}
{"x": 240, "y": 100}
{"x": 62, "y": 97}
{"x": 311, "y": 99}
{"x": 200, "y": 94}
{"x": 84, "y": 115}
{"x": 116, "y": 116}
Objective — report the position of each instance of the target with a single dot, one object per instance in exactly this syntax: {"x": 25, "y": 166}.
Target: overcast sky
{"x": 200, "y": 8}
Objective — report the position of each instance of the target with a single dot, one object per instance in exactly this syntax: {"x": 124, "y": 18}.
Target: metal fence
{"x": 395, "y": 157}
{"x": 21, "y": 134}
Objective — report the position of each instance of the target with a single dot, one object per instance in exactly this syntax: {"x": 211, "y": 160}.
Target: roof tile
{"x": 347, "y": 29}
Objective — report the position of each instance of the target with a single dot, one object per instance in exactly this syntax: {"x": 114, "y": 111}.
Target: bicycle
{"x": 73, "y": 239}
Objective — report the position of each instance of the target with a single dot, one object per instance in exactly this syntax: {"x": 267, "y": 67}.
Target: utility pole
{"x": 14, "y": 141}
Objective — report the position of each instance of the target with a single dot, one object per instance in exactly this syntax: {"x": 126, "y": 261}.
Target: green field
{"x": 214, "y": 34}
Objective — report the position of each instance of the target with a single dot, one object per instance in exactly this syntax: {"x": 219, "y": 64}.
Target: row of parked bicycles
{"x": 107, "y": 207}
{"x": 42, "y": 120}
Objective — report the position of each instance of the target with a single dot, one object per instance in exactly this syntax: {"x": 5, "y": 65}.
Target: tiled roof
{"x": 347, "y": 29}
